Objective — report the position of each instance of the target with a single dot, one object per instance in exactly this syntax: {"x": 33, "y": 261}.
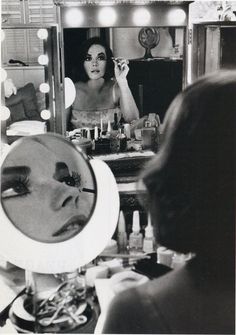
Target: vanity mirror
{"x": 58, "y": 212}
{"x": 30, "y": 62}
{"x": 54, "y": 205}
{"x": 153, "y": 81}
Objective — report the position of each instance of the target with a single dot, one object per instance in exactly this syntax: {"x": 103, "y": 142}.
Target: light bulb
{"x": 70, "y": 92}
{"x": 141, "y": 17}
{"x": 74, "y": 17}
{"x": 43, "y": 60}
{"x": 42, "y": 34}
{"x": 107, "y": 16}
{"x": 44, "y": 88}
{"x": 45, "y": 114}
{"x": 177, "y": 16}
{"x": 5, "y": 113}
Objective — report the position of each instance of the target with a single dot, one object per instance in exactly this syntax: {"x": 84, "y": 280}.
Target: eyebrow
{"x": 9, "y": 174}
{"x": 100, "y": 54}
{"x": 21, "y": 169}
{"x": 61, "y": 168}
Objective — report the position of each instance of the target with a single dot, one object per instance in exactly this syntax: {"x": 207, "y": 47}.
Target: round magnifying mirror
{"x": 52, "y": 201}
{"x": 48, "y": 189}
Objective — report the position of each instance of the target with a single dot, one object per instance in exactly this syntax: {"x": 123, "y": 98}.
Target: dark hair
{"x": 191, "y": 180}
{"x": 81, "y": 74}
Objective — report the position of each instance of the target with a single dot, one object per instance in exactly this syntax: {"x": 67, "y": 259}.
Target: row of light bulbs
{"x": 42, "y": 34}
{"x": 107, "y": 16}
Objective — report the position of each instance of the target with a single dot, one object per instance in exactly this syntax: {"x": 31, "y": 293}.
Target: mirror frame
{"x": 198, "y": 45}
{"x": 52, "y": 72}
{"x": 159, "y": 17}
{"x": 77, "y": 251}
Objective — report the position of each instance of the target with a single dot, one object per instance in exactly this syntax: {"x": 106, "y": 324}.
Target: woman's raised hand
{"x": 121, "y": 68}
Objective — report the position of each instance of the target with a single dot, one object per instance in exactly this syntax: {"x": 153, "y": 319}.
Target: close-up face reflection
{"x": 95, "y": 62}
{"x": 47, "y": 189}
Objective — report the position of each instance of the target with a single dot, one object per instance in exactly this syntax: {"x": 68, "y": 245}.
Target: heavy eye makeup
{"x": 88, "y": 58}
{"x": 63, "y": 175}
{"x": 15, "y": 182}
{"x": 101, "y": 57}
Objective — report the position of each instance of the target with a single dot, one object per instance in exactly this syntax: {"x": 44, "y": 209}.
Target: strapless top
{"x": 92, "y": 118}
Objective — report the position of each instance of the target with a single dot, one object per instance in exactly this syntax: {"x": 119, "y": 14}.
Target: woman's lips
{"x": 74, "y": 224}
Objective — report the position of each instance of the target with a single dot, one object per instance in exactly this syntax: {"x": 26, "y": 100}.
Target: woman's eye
{"x": 88, "y": 58}
{"x": 71, "y": 180}
{"x": 102, "y": 58}
{"x": 68, "y": 181}
{"x": 15, "y": 188}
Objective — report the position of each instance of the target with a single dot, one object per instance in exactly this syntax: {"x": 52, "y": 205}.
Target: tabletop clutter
{"x": 79, "y": 301}
{"x": 139, "y": 244}
{"x": 130, "y": 260}
{"x": 118, "y": 136}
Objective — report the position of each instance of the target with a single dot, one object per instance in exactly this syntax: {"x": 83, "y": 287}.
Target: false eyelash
{"x": 77, "y": 178}
{"x": 24, "y": 180}
{"x": 13, "y": 183}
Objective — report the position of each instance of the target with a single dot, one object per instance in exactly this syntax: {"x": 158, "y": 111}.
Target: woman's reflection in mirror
{"x": 101, "y": 87}
{"x": 46, "y": 194}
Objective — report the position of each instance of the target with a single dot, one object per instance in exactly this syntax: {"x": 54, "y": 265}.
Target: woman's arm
{"x": 127, "y": 103}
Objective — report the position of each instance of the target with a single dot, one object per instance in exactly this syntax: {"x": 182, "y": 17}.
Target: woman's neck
{"x": 96, "y": 83}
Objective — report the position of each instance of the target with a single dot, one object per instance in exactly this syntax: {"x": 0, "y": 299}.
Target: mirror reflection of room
{"x": 28, "y": 78}
{"x": 105, "y": 106}
{"x": 102, "y": 89}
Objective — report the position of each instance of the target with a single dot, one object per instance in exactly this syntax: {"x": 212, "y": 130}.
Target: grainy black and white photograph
{"x": 118, "y": 151}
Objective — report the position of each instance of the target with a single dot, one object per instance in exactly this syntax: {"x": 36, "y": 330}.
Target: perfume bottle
{"x": 115, "y": 123}
{"x": 135, "y": 238}
{"x": 122, "y": 235}
{"x": 148, "y": 241}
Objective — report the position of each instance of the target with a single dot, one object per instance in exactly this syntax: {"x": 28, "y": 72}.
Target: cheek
{"x": 31, "y": 216}
{"x": 86, "y": 66}
{"x": 103, "y": 67}
{"x": 25, "y": 208}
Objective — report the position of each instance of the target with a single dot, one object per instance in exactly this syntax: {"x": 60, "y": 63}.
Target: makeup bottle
{"x": 122, "y": 122}
{"x": 101, "y": 125}
{"x": 122, "y": 140}
{"x": 115, "y": 124}
{"x": 96, "y": 133}
{"x": 148, "y": 241}
{"x": 135, "y": 238}
{"x": 108, "y": 134}
{"x": 122, "y": 235}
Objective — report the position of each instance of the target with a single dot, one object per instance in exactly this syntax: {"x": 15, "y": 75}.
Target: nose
{"x": 94, "y": 62}
{"x": 61, "y": 195}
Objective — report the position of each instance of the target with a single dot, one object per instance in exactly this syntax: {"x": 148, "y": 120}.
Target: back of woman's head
{"x": 191, "y": 180}
{"x": 81, "y": 74}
